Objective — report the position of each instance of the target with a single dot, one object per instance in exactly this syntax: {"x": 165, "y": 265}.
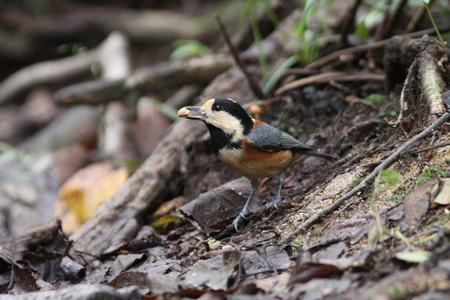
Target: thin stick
{"x": 253, "y": 85}
{"x": 349, "y": 22}
{"x": 327, "y": 77}
{"x": 386, "y": 164}
{"x": 387, "y": 30}
{"x": 403, "y": 103}
{"x": 380, "y": 44}
{"x": 431, "y": 147}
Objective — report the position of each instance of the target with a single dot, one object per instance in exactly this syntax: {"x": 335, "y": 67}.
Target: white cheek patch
{"x": 229, "y": 124}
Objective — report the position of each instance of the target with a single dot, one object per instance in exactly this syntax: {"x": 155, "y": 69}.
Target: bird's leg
{"x": 244, "y": 211}
{"x": 281, "y": 178}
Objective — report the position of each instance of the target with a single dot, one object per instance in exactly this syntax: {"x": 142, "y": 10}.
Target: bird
{"x": 251, "y": 147}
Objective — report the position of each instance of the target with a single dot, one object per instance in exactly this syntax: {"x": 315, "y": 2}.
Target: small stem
{"x": 434, "y": 24}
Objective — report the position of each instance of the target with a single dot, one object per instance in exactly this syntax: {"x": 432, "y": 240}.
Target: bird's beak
{"x": 192, "y": 112}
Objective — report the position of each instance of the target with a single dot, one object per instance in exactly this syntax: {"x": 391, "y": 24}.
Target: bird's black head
{"x": 226, "y": 120}
{"x": 225, "y": 112}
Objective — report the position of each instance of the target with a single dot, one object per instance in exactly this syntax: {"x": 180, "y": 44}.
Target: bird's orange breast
{"x": 255, "y": 163}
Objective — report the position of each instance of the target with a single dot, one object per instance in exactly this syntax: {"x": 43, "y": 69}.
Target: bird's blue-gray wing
{"x": 269, "y": 138}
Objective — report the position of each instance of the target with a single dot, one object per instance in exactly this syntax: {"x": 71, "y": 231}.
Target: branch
{"x": 349, "y": 24}
{"x": 195, "y": 70}
{"x": 57, "y": 71}
{"x": 380, "y": 44}
{"x": 253, "y": 85}
{"x": 327, "y": 77}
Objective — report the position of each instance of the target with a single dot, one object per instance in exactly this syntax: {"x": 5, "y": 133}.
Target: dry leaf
{"x": 413, "y": 256}
{"x": 86, "y": 190}
{"x": 443, "y": 197}
{"x": 416, "y": 203}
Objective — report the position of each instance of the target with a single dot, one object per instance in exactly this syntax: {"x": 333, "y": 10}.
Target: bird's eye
{"x": 217, "y": 107}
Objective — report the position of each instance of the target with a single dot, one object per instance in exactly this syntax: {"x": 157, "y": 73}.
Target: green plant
{"x": 368, "y": 21}
{"x": 388, "y": 177}
{"x": 310, "y": 37}
{"x": 251, "y": 10}
{"x": 375, "y": 98}
{"x": 426, "y": 2}
{"x": 188, "y": 48}
{"x": 72, "y": 48}
{"x": 430, "y": 172}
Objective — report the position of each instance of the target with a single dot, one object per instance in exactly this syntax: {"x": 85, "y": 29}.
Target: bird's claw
{"x": 236, "y": 222}
{"x": 241, "y": 215}
{"x": 273, "y": 203}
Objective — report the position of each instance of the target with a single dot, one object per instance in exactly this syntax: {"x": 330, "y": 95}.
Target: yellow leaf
{"x": 81, "y": 194}
{"x": 164, "y": 222}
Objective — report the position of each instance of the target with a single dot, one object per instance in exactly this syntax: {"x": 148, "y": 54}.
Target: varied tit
{"x": 250, "y": 147}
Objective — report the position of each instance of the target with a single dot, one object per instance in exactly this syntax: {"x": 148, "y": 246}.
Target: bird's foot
{"x": 274, "y": 203}
{"x": 238, "y": 218}
{"x": 236, "y": 222}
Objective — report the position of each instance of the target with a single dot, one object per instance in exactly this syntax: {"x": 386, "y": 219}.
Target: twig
{"x": 417, "y": 18}
{"x": 362, "y": 125}
{"x": 327, "y": 77}
{"x": 349, "y": 23}
{"x": 379, "y": 30}
{"x": 431, "y": 147}
{"x": 402, "y": 102}
{"x": 11, "y": 280}
{"x": 380, "y": 44}
{"x": 253, "y": 85}
{"x": 299, "y": 72}
{"x": 393, "y": 19}
{"x": 387, "y": 163}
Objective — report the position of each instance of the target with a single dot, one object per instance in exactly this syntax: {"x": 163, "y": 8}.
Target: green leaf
{"x": 375, "y": 98}
{"x": 390, "y": 177}
{"x": 276, "y": 75}
{"x": 413, "y": 256}
{"x": 188, "y": 48}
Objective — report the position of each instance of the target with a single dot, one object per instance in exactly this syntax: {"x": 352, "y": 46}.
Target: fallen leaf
{"x": 443, "y": 197}
{"x": 86, "y": 190}
{"x": 266, "y": 259}
{"x": 165, "y": 222}
{"x": 72, "y": 270}
{"x": 308, "y": 271}
{"x": 224, "y": 203}
{"x": 416, "y": 203}
{"x": 218, "y": 273}
{"x": 413, "y": 256}
{"x": 320, "y": 289}
{"x": 130, "y": 279}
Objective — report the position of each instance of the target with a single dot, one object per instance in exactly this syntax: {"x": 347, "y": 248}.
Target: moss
{"x": 430, "y": 172}
{"x": 398, "y": 291}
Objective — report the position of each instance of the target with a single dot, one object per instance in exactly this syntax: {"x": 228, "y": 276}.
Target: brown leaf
{"x": 212, "y": 208}
{"x": 130, "y": 279}
{"x": 307, "y": 271}
{"x": 416, "y": 203}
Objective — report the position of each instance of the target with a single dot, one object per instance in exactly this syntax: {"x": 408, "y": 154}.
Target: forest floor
{"x": 372, "y": 224}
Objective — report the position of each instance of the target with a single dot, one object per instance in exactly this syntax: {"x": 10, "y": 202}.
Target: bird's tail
{"x": 315, "y": 153}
